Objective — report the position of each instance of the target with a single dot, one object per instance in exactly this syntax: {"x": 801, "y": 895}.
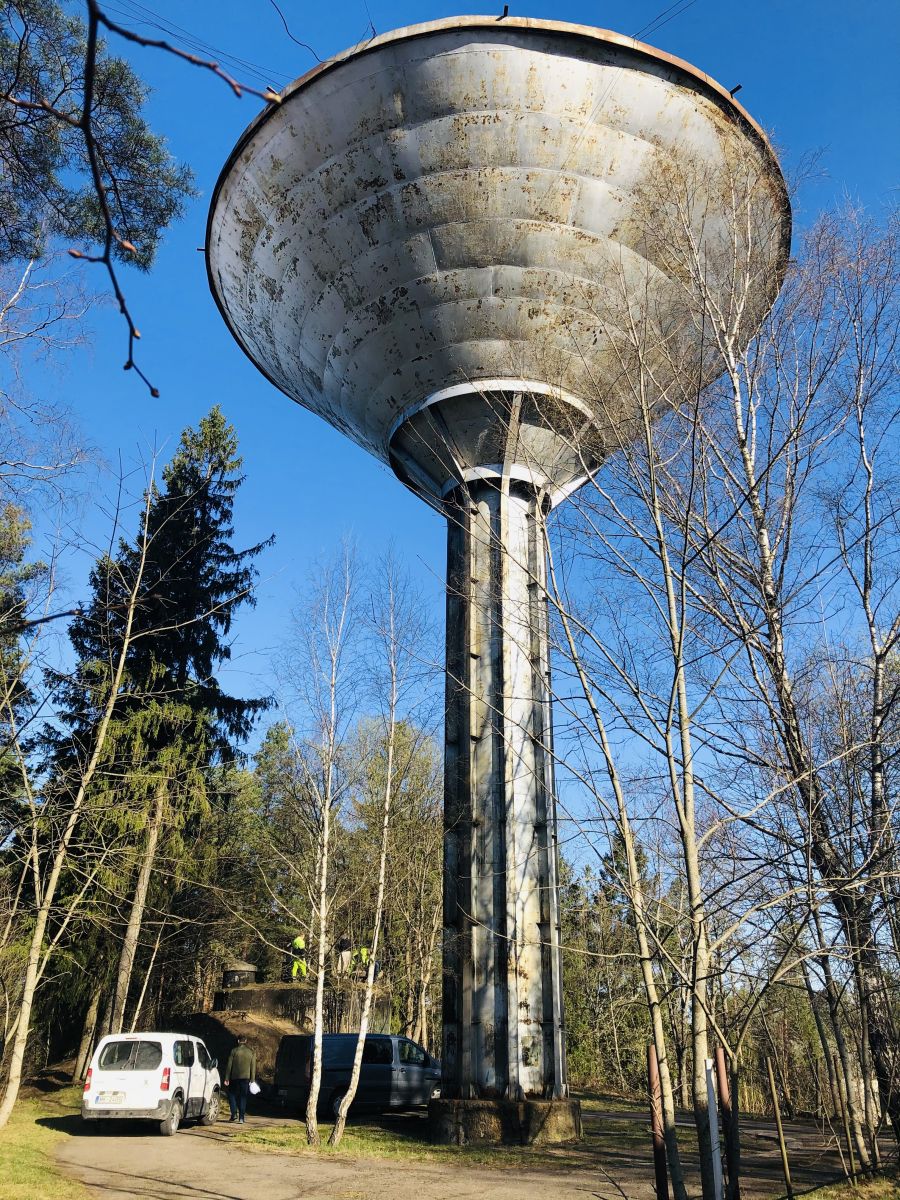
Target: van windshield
{"x": 130, "y": 1056}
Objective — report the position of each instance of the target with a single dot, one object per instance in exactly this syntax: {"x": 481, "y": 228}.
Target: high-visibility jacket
{"x": 298, "y": 960}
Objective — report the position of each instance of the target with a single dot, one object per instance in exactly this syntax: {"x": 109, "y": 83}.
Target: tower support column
{"x": 504, "y": 1064}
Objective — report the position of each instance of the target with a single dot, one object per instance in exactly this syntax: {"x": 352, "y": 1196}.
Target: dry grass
{"x": 28, "y": 1169}
{"x": 884, "y": 1188}
{"x": 405, "y": 1141}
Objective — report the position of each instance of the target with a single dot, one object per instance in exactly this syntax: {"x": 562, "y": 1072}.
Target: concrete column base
{"x": 513, "y": 1122}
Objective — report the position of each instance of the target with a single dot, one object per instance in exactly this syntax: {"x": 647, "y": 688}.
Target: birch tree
{"x": 397, "y": 635}
{"x": 54, "y": 857}
{"x": 326, "y": 697}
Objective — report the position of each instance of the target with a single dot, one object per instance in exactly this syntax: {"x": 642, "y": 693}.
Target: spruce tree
{"x": 175, "y": 722}
{"x": 193, "y": 581}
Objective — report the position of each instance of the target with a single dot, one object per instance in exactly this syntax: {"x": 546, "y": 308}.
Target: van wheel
{"x": 336, "y": 1101}
{"x": 173, "y": 1120}
{"x": 212, "y": 1109}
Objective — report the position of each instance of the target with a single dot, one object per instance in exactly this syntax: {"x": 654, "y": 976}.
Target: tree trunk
{"x": 843, "y": 1053}
{"x": 426, "y": 973}
{"x": 338, "y": 1131}
{"x": 638, "y": 908}
{"x": 140, "y": 1000}
{"x": 882, "y": 1038}
{"x": 315, "y": 1083}
{"x": 823, "y": 1041}
{"x": 48, "y": 898}
{"x": 136, "y": 914}
{"x": 88, "y": 1029}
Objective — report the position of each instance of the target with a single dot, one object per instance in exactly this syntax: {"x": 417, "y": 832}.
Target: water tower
{"x": 426, "y": 243}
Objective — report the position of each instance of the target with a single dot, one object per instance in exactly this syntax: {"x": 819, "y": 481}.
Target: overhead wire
{"x": 195, "y": 41}
{"x": 657, "y": 23}
{"x": 132, "y": 10}
{"x": 679, "y": 7}
{"x": 287, "y": 30}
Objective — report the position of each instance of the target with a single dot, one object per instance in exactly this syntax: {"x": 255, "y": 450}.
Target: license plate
{"x": 282, "y": 1091}
{"x": 110, "y": 1097}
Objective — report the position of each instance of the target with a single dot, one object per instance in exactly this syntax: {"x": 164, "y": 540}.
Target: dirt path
{"x": 131, "y": 1163}
{"x": 201, "y": 1164}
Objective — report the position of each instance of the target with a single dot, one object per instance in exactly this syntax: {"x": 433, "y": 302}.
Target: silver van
{"x": 395, "y": 1072}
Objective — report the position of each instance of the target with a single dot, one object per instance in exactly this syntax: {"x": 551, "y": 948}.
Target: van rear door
{"x": 127, "y": 1075}
{"x": 291, "y": 1066}
{"x": 185, "y": 1074}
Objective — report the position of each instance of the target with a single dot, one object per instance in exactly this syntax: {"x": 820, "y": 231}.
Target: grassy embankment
{"x": 28, "y": 1169}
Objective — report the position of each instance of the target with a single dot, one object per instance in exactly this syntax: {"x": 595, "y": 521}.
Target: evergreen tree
{"x": 195, "y": 581}
{"x": 174, "y": 722}
{"x": 45, "y": 182}
{"x": 192, "y": 583}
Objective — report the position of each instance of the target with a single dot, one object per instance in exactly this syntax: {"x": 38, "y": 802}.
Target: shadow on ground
{"x": 617, "y": 1145}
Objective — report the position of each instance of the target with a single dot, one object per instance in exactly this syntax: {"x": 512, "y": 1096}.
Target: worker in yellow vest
{"x": 359, "y": 961}
{"x": 299, "y": 965}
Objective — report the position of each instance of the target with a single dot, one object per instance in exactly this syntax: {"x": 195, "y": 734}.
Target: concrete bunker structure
{"x": 415, "y": 244}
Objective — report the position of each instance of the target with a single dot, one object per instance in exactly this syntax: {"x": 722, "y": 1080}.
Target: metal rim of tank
{"x": 715, "y": 91}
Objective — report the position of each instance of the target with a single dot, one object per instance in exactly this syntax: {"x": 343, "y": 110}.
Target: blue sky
{"x": 819, "y": 76}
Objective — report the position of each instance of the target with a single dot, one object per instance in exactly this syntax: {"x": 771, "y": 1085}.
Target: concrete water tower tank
{"x": 427, "y": 243}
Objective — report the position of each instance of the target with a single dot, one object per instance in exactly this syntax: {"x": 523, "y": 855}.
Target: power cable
{"x": 287, "y": 30}
{"x": 657, "y": 23}
{"x": 134, "y": 11}
{"x": 141, "y": 12}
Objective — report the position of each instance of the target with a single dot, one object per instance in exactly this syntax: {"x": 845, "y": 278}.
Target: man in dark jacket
{"x": 240, "y": 1072}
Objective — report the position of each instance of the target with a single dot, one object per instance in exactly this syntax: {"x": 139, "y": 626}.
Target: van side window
{"x": 411, "y": 1053}
{"x": 378, "y": 1050}
{"x": 184, "y": 1054}
{"x": 203, "y": 1055}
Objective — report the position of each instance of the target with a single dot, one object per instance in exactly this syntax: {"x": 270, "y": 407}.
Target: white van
{"x": 162, "y": 1077}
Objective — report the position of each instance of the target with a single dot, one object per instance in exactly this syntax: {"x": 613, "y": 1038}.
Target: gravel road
{"x": 128, "y": 1162}
{"x": 204, "y": 1164}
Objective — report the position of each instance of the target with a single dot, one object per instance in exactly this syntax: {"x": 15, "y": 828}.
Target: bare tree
{"x": 661, "y": 520}
{"x": 325, "y": 688}
{"x": 807, "y": 472}
{"x": 55, "y": 855}
{"x": 397, "y": 628}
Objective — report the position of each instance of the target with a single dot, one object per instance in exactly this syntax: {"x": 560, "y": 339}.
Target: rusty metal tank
{"x": 433, "y": 242}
